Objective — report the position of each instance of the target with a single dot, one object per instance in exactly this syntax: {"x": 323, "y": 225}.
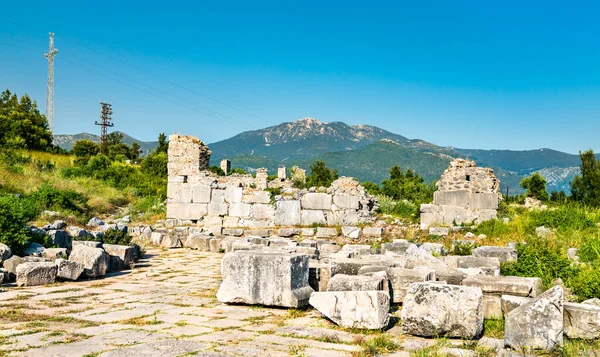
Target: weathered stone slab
{"x": 358, "y": 249}
{"x": 582, "y": 321}
{"x": 262, "y": 211}
{"x": 504, "y": 254}
{"x": 354, "y": 309}
{"x": 351, "y": 266}
{"x": 239, "y": 209}
{"x": 435, "y": 249}
{"x": 431, "y": 309}
{"x": 351, "y": 232}
{"x": 401, "y": 279}
{"x": 201, "y": 194}
{"x": 511, "y": 302}
{"x": 94, "y": 260}
{"x": 5, "y": 252}
{"x": 287, "y": 213}
{"x": 68, "y": 270}
{"x": 505, "y": 285}
{"x": 60, "y": 238}
{"x": 89, "y": 243}
{"x": 234, "y": 194}
{"x": 320, "y": 273}
{"x": 323, "y": 232}
{"x": 373, "y": 282}
{"x": 467, "y": 261}
{"x": 346, "y": 201}
{"x": 265, "y": 278}
{"x": 397, "y": 246}
{"x": 235, "y": 232}
{"x": 452, "y": 198}
{"x": 313, "y": 200}
{"x": 217, "y": 209}
{"x": 199, "y": 242}
{"x": 263, "y": 197}
{"x": 483, "y": 200}
{"x": 372, "y": 232}
{"x": 36, "y": 273}
{"x": 311, "y": 217}
{"x": 288, "y": 232}
{"x": 54, "y": 253}
{"x": 121, "y": 257}
{"x": 537, "y": 324}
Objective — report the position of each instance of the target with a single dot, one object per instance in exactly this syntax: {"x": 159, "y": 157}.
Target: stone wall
{"x": 223, "y": 205}
{"x": 465, "y": 194}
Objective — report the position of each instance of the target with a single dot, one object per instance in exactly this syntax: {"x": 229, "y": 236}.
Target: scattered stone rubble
{"x": 465, "y": 194}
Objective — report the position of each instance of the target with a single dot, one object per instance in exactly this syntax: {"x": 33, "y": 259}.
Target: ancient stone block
{"x": 233, "y": 194}
{"x": 346, "y": 201}
{"x": 351, "y": 232}
{"x": 263, "y": 197}
{"x": 510, "y": 302}
{"x": 68, "y": 270}
{"x": 239, "y": 210}
{"x": 5, "y": 252}
{"x": 582, "y": 321}
{"x": 94, "y": 260}
{"x": 287, "y": 213}
{"x": 400, "y": 280}
{"x": 265, "y": 278}
{"x": 351, "y": 266}
{"x": 354, "y": 309}
{"x": 505, "y": 285}
{"x": 36, "y": 273}
{"x": 120, "y": 256}
{"x": 431, "y": 309}
{"x": 320, "y": 273}
{"x": 537, "y": 324}
{"x": 60, "y": 238}
{"x": 504, "y": 254}
{"x": 323, "y": 232}
{"x": 435, "y": 249}
{"x": 217, "y": 209}
{"x": 452, "y": 198}
{"x": 238, "y": 232}
{"x": 343, "y": 282}
{"x": 358, "y": 249}
{"x": 467, "y": 261}
{"x": 54, "y": 253}
{"x": 397, "y": 246}
{"x": 217, "y": 196}
{"x": 288, "y": 232}
{"x": 313, "y": 200}
{"x": 201, "y": 194}
{"x": 483, "y": 200}
{"x": 310, "y": 217}
{"x": 262, "y": 211}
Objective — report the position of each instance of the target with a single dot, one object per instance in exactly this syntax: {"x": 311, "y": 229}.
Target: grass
{"x": 375, "y": 346}
{"x": 141, "y": 321}
{"x": 493, "y": 328}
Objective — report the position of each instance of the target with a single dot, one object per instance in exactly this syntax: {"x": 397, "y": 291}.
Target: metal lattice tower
{"x": 50, "y": 88}
{"x": 105, "y": 118}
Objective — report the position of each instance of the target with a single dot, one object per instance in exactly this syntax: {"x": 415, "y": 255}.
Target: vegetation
{"x": 320, "y": 175}
{"x": 585, "y": 187}
{"x": 535, "y": 187}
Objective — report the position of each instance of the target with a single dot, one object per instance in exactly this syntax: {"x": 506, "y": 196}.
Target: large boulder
{"x": 94, "y": 260}
{"x": 537, "y": 324}
{"x": 373, "y": 282}
{"x": 582, "y": 321}
{"x": 401, "y": 279}
{"x": 268, "y": 278}
{"x": 68, "y": 270}
{"x": 34, "y": 249}
{"x": 354, "y": 309}
{"x": 5, "y": 252}
{"x": 120, "y": 256}
{"x": 36, "y": 273}
{"x": 60, "y": 238}
{"x": 432, "y": 309}
{"x": 54, "y": 253}
{"x": 504, "y": 254}
{"x": 10, "y": 265}
{"x": 88, "y": 243}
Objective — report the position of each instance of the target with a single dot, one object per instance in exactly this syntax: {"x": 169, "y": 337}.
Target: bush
{"x": 403, "y": 208}
{"x": 535, "y": 186}
{"x": 589, "y": 251}
{"x": 563, "y": 218}
{"x": 13, "y": 218}
{"x": 586, "y": 283}
{"x": 50, "y": 198}
{"x": 116, "y": 236}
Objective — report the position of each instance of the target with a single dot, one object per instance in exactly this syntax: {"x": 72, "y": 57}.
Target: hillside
{"x": 66, "y": 141}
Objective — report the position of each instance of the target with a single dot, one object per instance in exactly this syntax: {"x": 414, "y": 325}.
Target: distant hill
{"x": 66, "y": 141}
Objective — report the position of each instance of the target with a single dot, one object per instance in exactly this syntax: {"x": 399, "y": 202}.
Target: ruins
{"x": 221, "y": 203}
{"x": 464, "y": 194}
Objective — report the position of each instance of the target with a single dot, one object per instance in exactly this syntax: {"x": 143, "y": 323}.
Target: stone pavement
{"x": 166, "y": 306}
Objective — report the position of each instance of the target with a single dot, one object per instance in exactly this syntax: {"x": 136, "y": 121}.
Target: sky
{"x": 513, "y": 75}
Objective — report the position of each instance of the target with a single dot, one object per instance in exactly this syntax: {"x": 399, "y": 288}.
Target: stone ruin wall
{"x": 240, "y": 204}
{"x": 465, "y": 194}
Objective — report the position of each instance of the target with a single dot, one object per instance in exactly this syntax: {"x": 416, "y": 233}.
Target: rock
{"x": 469, "y": 235}
{"x": 573, "y": 254}
{"x": 511, "y": 302}
{"x": 68, "y": 270}
{"x": 235, "y": 232}
{"x": 288, "y": 232}
{"x": 34, "y": 249}
{"x": 265, "y": 278}
{"x": 582, "y": 321}
{"x": 170, "y": 241}
{"x": 199, "y": 242}
{"x": 358, "y": 249}
{"x": 10, "y": 265}
{"x": 36, "y": 273}
{"x": 537, "y": 324}
{"x": 319, "y": 274}
{"x": 312, "y": 217}
{"x": 54, "y": 253}
{"x": 5, "y": 252}
{"x": 401, "y": 279}
{"x": 316, "y": 201}
{"x": 593, "y": 301}
{"x": 121, "y": 257}
{"x": 323, "y": 232}
{"x": 58, "y": 225}
{"x": 432, "y": 310}
{"x": 287, "y": 213}
{"x": 354, "y": 309}
{"x": 95, "y": 222}
{"x": 435, "y": 249}
{"x": 342, "y": 282}
{"x": 489, "y": 266}
{"x": 439, "y": 231}
{"x": 397, "y": 246}
{"x": 94, "y": 260}
{"x": 494, "y": 287}
{"x": 351, "y": 232}
{"x": 60, "y": 238}
{"x": 414, "y": 257}
{"x": 543, "y": 232}
{"x": 351, "y": 266}
{"x": 372, "y": 232}
{"x": 87, "y": 243}
{"x": 504, "y": 254}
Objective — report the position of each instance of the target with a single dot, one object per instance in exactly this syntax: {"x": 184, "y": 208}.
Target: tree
{"x": 535, "y": 186}
{"x": 407, "y": 186}
{"x": 134, "y": 151}
{"x": 163, "y": 144}
{"x": 85, "y": 148}
{"x": 321, "y": 175}
{"x": 22, "y": 126}
{"x": 585, "y": 187}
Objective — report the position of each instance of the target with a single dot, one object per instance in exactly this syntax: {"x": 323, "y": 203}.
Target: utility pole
{"x": 105, "y": 117}
{"x": 50, "y": 88}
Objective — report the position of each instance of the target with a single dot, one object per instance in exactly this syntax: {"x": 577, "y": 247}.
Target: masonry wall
{"x": 241, "y": 201}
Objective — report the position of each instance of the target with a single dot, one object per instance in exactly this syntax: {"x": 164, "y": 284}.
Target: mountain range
{"x": 367, "y": 153}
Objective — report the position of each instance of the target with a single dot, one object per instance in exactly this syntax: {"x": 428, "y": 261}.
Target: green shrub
{"x": 463, "y": 249}
{"x": 116, "y": 236}
{"x": 47, "y": 197}
{"x": 590, "y": 250}
{"x": 586, "y": 282}
{"x": 493, "y": 228}
{"x": 540, "y": 258}
{"x": 13, "y": 218}
{"x": 565, "y": 217}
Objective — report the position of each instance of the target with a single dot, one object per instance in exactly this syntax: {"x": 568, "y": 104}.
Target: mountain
{"x": 367, "y": 152}
{"x": 66, "y": 141}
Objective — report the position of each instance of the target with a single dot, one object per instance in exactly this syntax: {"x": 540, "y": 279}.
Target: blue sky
{"x": 471, "y": 74}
